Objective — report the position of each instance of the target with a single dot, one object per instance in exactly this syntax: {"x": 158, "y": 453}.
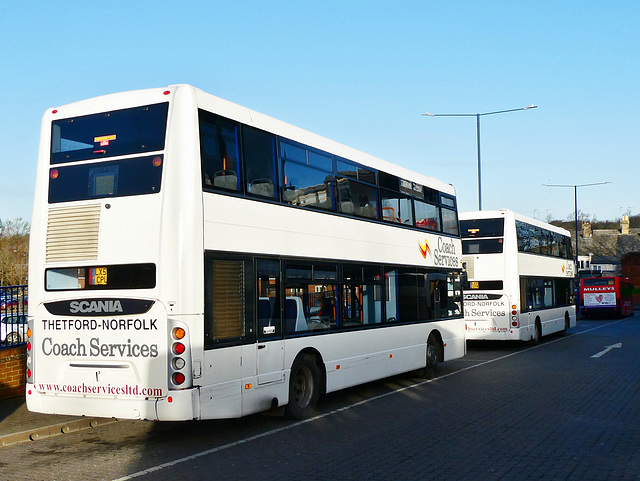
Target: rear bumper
{"x": 177, "y": 406}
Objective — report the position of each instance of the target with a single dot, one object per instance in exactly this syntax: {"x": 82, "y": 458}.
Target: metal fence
{"x": 13, "y": 315}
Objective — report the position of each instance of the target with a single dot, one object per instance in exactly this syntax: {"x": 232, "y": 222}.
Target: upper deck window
{"x": 108, "y": 134}
{"x": 482, "y": 228}
{"x": 219, "y": 150}
{"x": 239, "y": 159}
{"x": 307, "y": 177}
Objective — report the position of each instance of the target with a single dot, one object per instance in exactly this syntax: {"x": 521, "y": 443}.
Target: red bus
{"x": 606, "y": 294}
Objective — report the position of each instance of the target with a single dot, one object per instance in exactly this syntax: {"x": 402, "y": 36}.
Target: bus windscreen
{"x": 108, "y": 134}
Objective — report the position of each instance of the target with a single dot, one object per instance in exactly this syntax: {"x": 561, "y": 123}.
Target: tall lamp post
{"x": 477, "y": 116}
{"x": 575, "y": 206}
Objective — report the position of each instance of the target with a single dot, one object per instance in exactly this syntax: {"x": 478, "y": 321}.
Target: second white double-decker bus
{"x": 191, "y": 258}
{"x": 519, "y": 276}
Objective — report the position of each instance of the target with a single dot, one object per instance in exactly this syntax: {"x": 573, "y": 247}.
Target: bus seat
{"x": 294, "y": 315}
{"x": 346, "y": 207}
{"x": 263, "y": 187}
{"x": 327, "y": 311}
{"x": 227, "y": 179}
{"x": 389, "y": 214}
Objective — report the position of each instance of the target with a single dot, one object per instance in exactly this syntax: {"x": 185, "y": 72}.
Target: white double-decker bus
{"x": 192, "y": 259}
{"x": 519, "y": 277}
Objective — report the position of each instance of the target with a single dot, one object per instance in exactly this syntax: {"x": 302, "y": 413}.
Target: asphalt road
{"x": 567, "y": 409}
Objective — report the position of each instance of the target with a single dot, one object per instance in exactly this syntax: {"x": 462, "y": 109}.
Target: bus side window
{"x": 426, "y": 215}
{"x": 258, "y": 152}
{"x": 450, "y": 221}
{"x": 219, "y": 152}
{"x": 391, "y": 295}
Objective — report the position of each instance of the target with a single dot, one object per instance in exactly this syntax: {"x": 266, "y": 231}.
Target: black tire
{"x": 304, "y": 388}
{"x": 433, "y": 355}
{"x": 566, "y": 325}
{"x": 537, "y": 333}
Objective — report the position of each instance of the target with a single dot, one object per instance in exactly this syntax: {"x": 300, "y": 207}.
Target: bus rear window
{"x": 482, "y": 246}
{"x": 483, "y": 286}
{"x": 107, "y": 134}
{"x": 118, "y": 178}
{"x": 128, "y": 276}
{"x": 482, "y": 228}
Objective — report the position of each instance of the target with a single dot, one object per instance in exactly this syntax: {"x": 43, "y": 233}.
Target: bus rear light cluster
{"x": 514, "y": 316}
{"x": 179, "y": 358}
{"x": 29, "y": 355}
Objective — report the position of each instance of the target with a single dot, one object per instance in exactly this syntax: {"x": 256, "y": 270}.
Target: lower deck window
{"x": 126, "y": 276}
{"x": 278, "y": 298}
{"x": 226, "y": 301}
{"x": 544, "y": 293}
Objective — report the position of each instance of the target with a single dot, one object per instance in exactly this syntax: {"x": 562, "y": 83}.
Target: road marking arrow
{"x": 607, "y": 349}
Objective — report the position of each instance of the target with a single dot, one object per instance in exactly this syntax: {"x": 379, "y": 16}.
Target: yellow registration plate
{"x": 98, "y": 276}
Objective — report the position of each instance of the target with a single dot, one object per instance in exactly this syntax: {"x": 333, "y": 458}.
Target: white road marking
{"x": 618, "y": 345}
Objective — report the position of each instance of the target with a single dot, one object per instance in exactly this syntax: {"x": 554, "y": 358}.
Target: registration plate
{"x": 98, "y": 276}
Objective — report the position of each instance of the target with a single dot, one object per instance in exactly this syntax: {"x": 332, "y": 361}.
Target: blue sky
{"x": 362, "y": 73}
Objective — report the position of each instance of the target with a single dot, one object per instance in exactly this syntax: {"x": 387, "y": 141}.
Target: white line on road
{"x": 175, "y": 462}
{"x": 606, "y": 349}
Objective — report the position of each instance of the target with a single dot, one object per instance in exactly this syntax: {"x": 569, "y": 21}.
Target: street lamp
{"x": 575, "y": 206}
{"x": 477, "y": 116}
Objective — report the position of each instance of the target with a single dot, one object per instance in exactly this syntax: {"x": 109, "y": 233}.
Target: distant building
{"x": 606, "y": 265}
{"x": 596, "y": 266}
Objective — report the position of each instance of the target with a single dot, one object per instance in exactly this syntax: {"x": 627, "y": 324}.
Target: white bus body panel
{"x": 95, "y": 360}
{"x": 231, "y": 387}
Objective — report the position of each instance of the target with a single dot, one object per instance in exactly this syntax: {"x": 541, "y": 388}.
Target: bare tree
{"x": 14, "y": 252}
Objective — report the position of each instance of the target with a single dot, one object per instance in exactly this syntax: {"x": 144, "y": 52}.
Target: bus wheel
{"x": 304, "y": 388}
{"x": 537, "y": 333}
{"x": 566, "y": 324}
{"x": 432, "y": 357}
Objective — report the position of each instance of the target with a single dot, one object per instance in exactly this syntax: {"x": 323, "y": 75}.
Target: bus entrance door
{"x": 270, "y": 358}
{"x": 270, "y": 346}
